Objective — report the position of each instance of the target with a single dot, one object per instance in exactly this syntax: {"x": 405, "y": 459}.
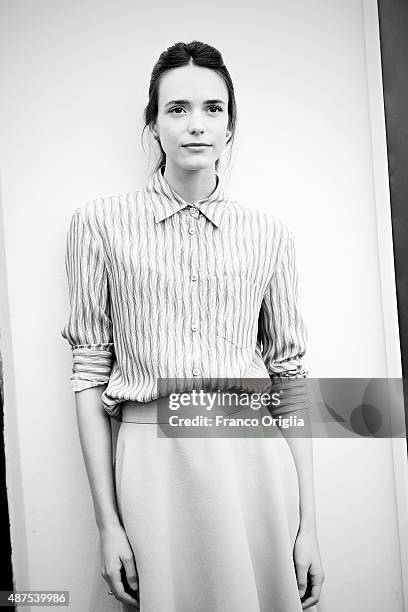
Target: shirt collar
{"x": 165, "y": 201}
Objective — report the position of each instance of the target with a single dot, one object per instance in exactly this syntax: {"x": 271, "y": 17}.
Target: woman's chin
{"x": 196, "y": 164}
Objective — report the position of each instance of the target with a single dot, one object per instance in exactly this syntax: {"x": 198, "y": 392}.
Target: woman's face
{"x": 192, "y": 109}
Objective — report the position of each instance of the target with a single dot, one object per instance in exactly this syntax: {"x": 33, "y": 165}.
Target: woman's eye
{"x": 175, "y": 110}
{"x": 216, "y": 108}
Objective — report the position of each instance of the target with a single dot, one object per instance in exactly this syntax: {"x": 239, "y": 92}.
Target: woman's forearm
{"x": 94, "y": 429}
{"x": 302, "y": 452}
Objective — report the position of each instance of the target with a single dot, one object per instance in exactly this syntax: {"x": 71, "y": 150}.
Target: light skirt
{"x": 212, "y": 523}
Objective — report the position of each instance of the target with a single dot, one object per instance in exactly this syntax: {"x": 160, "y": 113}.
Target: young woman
{"x": 170, "y": 286}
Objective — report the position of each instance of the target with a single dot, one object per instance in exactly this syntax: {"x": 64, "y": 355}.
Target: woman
{"x": 171, "y": 286}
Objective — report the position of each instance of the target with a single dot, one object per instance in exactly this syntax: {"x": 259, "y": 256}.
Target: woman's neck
{"x": 191, "y": 185}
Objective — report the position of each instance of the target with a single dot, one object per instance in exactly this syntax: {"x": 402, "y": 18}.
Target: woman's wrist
{"x": 111, "y": 522}
{"x": 308, "y": 524}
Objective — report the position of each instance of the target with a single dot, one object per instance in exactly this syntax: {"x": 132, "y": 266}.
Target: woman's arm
{"x": 94, "y": 427}
{"x": 302, "y": 452}
{"x": 89, "y": 331}
{"x": 307, "y": 559}
{"x": 283, "y": 335}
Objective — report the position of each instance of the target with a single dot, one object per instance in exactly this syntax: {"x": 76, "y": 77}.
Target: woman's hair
{"x": 182, "y": 54}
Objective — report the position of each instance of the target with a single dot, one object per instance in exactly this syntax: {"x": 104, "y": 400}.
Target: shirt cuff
{"x": 81, "y": 385}
{"x": 92, "y": 365}
{"x": 293, "y": 394}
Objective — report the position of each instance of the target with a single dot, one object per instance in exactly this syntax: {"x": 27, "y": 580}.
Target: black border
{"x": 393, "y": 25}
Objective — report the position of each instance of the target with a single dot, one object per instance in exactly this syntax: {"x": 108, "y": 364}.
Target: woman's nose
{"x": 196, "y": 125}
{"x": 197, "y": 130}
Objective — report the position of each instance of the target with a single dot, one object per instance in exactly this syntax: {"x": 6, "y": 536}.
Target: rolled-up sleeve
{"x": 88, "y": 328}
{"x": 283, "y": 333}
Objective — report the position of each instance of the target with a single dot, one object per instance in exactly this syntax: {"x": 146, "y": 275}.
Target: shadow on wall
{"x": 1, "y": 381}
{"x": 6, "y": 582}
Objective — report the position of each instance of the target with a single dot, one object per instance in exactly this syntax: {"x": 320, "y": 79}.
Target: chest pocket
{"x": 233, "y": 304}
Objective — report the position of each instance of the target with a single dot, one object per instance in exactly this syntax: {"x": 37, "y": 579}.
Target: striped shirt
{"x": 160, "y": 288}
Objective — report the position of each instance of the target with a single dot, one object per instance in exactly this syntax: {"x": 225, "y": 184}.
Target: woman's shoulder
{"x": 104, "y": 209}
{"x": 262, "y": 217}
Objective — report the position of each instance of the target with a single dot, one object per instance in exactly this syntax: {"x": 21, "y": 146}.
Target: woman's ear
{"x": 154, "y": 133}
{"x": 228, "y": 134}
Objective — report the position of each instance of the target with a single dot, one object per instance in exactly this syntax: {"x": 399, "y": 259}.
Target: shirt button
{"x": 194, "y": 277}
{"x": 193, "y": 210}
{"x": 194, "y": 328}
{"x": 191, "y": 230}
{"x": 196, "y": 372}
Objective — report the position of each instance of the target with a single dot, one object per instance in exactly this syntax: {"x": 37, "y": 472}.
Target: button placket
{"x": 195, "y": 288}
{"x": 192, "y": 230}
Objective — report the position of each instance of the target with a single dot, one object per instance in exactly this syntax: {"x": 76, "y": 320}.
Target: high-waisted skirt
{"x": 212, "y": 521}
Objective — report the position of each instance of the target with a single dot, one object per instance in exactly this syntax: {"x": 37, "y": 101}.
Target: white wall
{"x": 75, "y": 78}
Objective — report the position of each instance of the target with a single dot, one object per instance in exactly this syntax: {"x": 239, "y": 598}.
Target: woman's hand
{"x": 308, "y": 566}
{"x": 115, "y": 552}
